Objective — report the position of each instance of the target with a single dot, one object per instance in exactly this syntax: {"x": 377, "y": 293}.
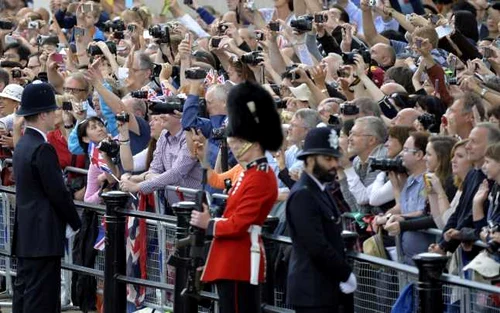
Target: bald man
{"x": 405, "y": 117}
{"x": 384, "y": 55}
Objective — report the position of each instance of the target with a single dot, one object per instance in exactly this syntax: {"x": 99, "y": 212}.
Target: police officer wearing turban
{"x": 44, "y": 207}
{"x": 236, "y": 261}
{"x": 318, "y": 274}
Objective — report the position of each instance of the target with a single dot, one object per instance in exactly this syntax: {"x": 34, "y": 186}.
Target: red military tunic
{"x": 250, "y": 201}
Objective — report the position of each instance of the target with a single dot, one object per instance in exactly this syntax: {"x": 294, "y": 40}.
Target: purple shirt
{"x": 175, "y": 166}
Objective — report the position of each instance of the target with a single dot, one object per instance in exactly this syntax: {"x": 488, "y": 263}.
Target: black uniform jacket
{"x": 317, "y": 263}
{"x": 43, "y": 204}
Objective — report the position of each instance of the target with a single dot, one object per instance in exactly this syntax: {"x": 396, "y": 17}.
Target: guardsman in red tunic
{"x": 236, "y": 260}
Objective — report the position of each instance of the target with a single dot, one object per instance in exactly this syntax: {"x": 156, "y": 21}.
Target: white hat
{"x": 13, "y": 92}
{"x": 301, "y": 92}
{"x": 484, "y": 265}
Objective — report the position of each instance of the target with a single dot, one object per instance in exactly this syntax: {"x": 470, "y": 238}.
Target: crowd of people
{"x": 410, "y": 91}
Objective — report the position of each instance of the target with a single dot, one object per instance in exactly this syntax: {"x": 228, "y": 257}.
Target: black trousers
{"x": 37, "y": 287}
{"x": 238, "y": 297}
{"x": 345, "y": 305}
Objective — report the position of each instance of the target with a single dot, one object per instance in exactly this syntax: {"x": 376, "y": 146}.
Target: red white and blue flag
{"x": 101, "y": 236}
{"x": 97, "y": 159}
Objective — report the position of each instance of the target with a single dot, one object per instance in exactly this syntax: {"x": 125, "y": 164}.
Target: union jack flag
{"x": 100, "y": 240}
{"x": 97, "y": 159}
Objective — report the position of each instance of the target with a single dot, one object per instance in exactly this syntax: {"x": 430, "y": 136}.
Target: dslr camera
{"x": 6, "y": 25}
{"x": 94, "y": 50}
{"x": 320, "y": 18}
{"x": 123, "y": 117}
{"x": 195, "y": 73}
{"x": 302, "y": 23}
{"x": 116, "y": 25}
{"x": 139, "y": 94}
{"x": 219, "y": 133}
{"x": 161, "y": 32}
{"x": 387, "y": 165}
{"x": 252, "y": 58}
{"x": 348, "y": 57}
{"x": 167, "y": 106}
{"x": 349, "y": 109}
{"x": 109, "y": 146}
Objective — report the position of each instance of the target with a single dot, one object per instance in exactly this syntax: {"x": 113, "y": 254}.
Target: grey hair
{"x": 78, "y": 76}
{"x": 367, "y": 106}
{"x": 493, "y": 132}
{"x": 374, "y": 126}
{"x": 310, "y": 117}
{"x": 220, "y": 92}
{"x": 144, "y": 61}
{"x": 471, "y": 100}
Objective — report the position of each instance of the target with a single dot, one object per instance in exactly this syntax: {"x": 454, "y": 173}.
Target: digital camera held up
{"x": 167, "y": 106}
{"x": 109, "y": 146}
{"x": 252, "y": 58}
{"x": 303, "y": 23}
{"x": 348, "y": 57}
{"x": 195, "y": 73}
{"x": 161, "y": 32}
{"x": 387, "y": 165}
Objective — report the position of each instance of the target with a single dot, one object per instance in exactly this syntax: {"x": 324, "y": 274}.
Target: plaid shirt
{"x": 367, "y": 177}
{"x": 175, "y": 166}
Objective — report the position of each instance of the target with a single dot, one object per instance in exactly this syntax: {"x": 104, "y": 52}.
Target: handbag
{"x": 374, "y": 245}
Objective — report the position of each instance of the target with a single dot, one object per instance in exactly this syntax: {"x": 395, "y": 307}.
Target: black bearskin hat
{"x": 252, "y": 116}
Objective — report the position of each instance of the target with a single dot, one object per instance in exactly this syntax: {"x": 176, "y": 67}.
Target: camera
{"x": 40, "y": 39}
{"x": 280, "y": 103}
{"x": 348, "y": 57}
{"x": 292, "y": 75}
{"x": 274, "y": 26}
{"x": 110, "y": 147}
{"x": 94, "y": 50}
{"x": 259, "y": 36}
{"x": 252, "y": 58}
{"x": 302, "y": 23}
{"x": 452, "y": 81}
{"x": 215, "y": 42}
{"x": 67, "y": 106}
{"x": 34, "y": 25}
{"x": 320, "y": 18}
{"x": 427, "y": 120}
{"x": 16, "y": 74}
{"x": 387, "y": 165}
{"x": 219, "y": 133}
{"x": 195, "y": 73}
{"x": 221, "y": 29}
{"x": 119, "y": 35}
{"x": 168, "y": 106}
{"x": 493, "y": 246}
{"x": 349, "y": 109}
{"x": 6, "y": 25}
{"x": 139, "y": 94}
{"x": 123, "y": 117}
{"x": 160, "y": 32}
{"x": 116, "y": 25}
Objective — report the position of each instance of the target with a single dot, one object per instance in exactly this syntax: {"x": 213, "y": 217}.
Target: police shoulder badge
{"x": 333, "y": 139}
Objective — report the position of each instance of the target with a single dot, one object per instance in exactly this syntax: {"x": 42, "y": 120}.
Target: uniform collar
{"x": 256, "y": 162}
{"x": 39, "y": 131}
{"x": 321, "y": 186}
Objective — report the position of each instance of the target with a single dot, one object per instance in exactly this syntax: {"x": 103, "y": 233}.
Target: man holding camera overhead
{"x": 44, "y": 207}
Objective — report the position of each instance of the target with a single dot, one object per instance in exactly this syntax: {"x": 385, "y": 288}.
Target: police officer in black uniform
{"x": 318, "y": 276}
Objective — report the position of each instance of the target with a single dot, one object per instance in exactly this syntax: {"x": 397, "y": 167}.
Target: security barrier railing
{"x": 380, "y": 281}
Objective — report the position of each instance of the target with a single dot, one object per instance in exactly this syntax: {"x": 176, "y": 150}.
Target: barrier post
{"x": 182, "y": 303}
{"x": 430, "y": 288}
{"x": 115, "y": 293}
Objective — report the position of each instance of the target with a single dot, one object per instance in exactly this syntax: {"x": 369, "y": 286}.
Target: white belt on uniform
{"x": 254, "y": 231}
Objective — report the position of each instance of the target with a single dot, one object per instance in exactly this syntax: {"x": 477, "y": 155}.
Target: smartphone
{"x": 58, "y": 58}
{"x": 452, "y": 65}
{"x": 16, "y": 73}
{"x": 487, "y": 52}
{"x": 418, "y": 43}
{"x": 215, "y": 42}
{"x": 9, "y": 39}
{"x": 67, "y": 106}
{"x": 434, "y": 19}
{"x": 443, "y": 31}
{"x": 274, "y": 26}
{"x": 87, "y": 7}
{"x": 427, "y": 180}
{"x": 78, "y": 31}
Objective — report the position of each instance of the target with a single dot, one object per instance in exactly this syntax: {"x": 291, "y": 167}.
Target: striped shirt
{"x": 175, "y": 166}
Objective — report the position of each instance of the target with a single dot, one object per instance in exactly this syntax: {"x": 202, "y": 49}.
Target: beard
{"x": 322, "y": 174}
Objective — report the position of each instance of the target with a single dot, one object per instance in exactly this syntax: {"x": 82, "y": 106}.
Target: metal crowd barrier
{"x": 379, "y": 281}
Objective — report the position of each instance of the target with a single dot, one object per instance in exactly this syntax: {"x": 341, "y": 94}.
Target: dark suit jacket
{"x": 43, "y": 204}
{"x": 317, "y": 264}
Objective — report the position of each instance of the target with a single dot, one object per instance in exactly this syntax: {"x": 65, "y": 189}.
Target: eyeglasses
{"x": 73, "y": 90}
{"x": 409, "y": 150}
{"x": 359, "y": 135}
